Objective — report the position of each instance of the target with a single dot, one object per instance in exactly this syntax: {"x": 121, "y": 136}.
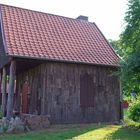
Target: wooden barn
{"x": 59, "y": 66}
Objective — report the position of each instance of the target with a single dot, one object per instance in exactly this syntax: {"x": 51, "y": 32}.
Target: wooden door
{"x": 25, "y": 100}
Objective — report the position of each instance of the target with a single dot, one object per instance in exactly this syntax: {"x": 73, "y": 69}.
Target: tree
{"x": 128, "y": 48}
{"x": 130, "y": 40}
{"x": 118, "y": 47}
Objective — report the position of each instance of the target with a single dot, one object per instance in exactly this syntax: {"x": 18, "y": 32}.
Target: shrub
{"x": 134, "y": 111}
{"x": 1, "y": 114}
{"x": 132, "y": 125}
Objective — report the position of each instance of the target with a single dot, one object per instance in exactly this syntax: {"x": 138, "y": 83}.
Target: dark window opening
{"x": 86, "y": 91}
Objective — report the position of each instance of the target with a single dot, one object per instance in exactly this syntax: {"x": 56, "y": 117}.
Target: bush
{"x": 132, "y": 125}
{"x": 134, "y": 111}
{"x": 1, "y": 114}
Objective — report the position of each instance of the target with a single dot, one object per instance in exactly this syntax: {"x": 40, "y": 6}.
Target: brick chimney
{"x": 85, "y": 18}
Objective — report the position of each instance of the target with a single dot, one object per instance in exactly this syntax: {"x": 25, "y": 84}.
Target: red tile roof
{"x": 39, "y": 35}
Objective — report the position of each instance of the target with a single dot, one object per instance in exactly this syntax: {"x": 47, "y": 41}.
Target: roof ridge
{"x": 44, "y": 13}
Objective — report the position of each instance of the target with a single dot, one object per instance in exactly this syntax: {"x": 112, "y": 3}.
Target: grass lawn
{"x": 78, "y": 132}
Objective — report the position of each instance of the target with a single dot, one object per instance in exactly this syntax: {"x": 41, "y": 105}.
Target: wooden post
{"x": 121, "y": 101}
{"x": 3, "y": 91}
{"x": 11, "y": 90}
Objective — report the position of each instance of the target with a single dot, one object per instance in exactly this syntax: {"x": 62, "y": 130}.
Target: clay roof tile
{"x": 40, "y": 35}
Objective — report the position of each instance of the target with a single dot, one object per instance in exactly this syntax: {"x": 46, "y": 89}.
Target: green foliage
{"x": 128, "y": 47}
{"x": 131, "y": 34}
{"x": 118, "y": 47}
{"x": 130, "y": 39}
{"x": 134, "y": 111}
{"x": 4, "y": 127}
{"x": 131, "y": 124}
{"x": 1, "y": 114}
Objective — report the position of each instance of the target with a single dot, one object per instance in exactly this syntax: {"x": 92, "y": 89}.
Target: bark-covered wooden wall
{"x": 59, "y": 89}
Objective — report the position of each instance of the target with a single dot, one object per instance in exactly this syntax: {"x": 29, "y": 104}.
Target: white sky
{"x": 107, "y": 14}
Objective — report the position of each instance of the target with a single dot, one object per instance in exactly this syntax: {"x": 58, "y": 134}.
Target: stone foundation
{"x": 36, "y": 122}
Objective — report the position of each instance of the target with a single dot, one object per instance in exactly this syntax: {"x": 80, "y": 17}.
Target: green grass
{"x": 78, "y": 132}
{"x": 124, "y": 134}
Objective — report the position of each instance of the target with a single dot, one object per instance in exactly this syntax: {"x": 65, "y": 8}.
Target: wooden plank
{"x": 43, "y": 72}
{"x": 121, "y": 100}
{"x": 17, "y": 98}
{"x": 25, "y": 91}
{"x": 11, "y": 90}
{"x": 3, "y": 91}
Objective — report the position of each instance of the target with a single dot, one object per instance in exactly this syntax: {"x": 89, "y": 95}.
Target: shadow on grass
{"x": 124, "y": 134}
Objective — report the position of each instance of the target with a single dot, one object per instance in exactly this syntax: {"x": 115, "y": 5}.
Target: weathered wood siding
{"x": 55, "y": 88}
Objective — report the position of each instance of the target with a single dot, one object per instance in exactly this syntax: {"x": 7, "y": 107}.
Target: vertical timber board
{"x": 44, "y": 85}
{"x": 11, "y": 90}
{"x": 17, "y": 97}
{"x": 3, "y": 91}
{"x": 121, "y": 100}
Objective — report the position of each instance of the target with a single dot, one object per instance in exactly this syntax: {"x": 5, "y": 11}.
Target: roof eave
{"x": 64, "y": 61}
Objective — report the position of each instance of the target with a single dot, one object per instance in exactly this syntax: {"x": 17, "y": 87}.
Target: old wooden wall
{"x": 55, "y": 88}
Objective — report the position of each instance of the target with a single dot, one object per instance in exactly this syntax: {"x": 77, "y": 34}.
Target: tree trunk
{"x": 11, "y": 90}
{"x": 3, "y": 91}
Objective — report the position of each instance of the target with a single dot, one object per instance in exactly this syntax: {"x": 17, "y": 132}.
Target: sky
{"x": 107, "y": 14}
